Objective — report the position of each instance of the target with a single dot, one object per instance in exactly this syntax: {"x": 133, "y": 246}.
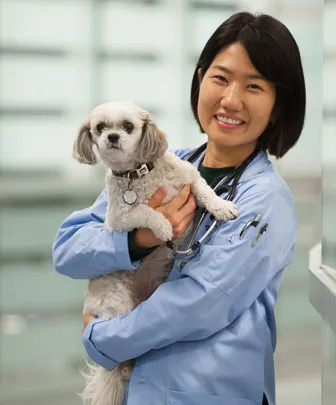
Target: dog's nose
{"x": 113, "y": 137}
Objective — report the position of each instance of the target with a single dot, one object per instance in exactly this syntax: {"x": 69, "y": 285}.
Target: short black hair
{"x": 275, "y": 54}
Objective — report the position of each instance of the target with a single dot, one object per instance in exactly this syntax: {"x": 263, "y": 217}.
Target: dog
{"x": 135, "y": 152}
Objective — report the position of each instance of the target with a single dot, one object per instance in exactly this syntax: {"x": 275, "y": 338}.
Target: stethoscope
{"x": 228, "y": 183}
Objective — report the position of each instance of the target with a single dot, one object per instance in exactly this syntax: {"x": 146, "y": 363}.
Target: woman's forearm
{"x": 85, "y": 248}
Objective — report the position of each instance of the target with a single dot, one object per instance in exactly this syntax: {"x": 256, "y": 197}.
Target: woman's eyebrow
{"x": 253, "y": 76}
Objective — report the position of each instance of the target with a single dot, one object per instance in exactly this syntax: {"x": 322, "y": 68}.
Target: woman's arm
{"x": 215, "y": 288}
{"x": 84, "y": 248}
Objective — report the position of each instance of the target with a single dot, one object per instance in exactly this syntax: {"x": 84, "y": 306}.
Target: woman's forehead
{"x": 234, "y": 59}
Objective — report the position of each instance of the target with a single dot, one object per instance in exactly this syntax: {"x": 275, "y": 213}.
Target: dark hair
{"x": 275, "y": 54}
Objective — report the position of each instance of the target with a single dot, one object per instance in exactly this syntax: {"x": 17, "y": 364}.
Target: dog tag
{"x": 130, "y": 197}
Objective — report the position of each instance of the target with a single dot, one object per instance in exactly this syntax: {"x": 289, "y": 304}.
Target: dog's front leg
{"x": 143, "y": 216}
{"x": 206, "y": 197}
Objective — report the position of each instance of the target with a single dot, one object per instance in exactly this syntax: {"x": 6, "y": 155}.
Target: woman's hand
{"x": 179, "y": 211}
{"x": 87, "y": 318}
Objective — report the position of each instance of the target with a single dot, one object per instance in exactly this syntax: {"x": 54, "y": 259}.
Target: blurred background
{"x": 59, "y": 58}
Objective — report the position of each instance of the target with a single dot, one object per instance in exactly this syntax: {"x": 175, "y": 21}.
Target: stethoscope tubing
{"x": 221, "y": 186}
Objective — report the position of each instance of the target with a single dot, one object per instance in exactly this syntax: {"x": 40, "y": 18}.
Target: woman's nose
{"x": 232, "y": 98}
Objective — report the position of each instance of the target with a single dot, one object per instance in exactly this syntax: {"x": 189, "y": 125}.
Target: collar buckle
{"x": 142, "y": 171}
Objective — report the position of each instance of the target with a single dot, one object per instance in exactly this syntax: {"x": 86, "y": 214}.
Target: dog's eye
{"x": 128, "y": 126}
{"x": 100, "y": 127}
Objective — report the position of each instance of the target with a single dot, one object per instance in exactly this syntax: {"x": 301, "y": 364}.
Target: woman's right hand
{"x": 179, "y": 211}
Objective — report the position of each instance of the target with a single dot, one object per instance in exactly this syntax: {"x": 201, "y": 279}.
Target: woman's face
{"x": 235, "y": 102}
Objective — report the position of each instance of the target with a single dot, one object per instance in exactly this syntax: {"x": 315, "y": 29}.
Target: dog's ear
{"x": 82, "y": 147}
{"x": 153, "y": 143}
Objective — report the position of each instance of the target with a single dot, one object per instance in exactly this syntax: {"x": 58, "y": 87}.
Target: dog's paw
{"x": 164, "y": 231}
{"x": 224, "y": 210}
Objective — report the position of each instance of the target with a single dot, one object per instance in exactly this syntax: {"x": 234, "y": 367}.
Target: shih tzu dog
{"x": 134, "y": 151}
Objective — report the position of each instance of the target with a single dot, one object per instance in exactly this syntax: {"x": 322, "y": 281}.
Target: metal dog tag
{"x": 130, "y": 197}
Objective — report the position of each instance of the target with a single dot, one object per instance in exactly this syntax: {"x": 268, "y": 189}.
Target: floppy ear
{"x": 82, "y": 147}
{"x": 153, "y": 143}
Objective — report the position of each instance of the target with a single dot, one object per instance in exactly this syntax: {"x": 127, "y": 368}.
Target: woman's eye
{"x": 100, "y": 127}
{"x": 254, "y": 87}
{"x": 128, "y": 126}
{"x": 221, "y": 78}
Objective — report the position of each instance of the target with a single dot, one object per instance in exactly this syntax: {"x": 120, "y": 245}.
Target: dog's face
{"x": 124, "y": 136}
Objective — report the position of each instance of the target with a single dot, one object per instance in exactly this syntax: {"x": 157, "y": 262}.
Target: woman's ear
{"x": 200, "y": 75}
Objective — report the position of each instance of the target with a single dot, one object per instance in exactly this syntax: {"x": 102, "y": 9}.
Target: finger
{"x": 187, "y": 209}
{"x": 179, "y": 200}
{"x": 157, "y": 197}
{"x": 84, "y": 326}
{"x": 183, "y": 226}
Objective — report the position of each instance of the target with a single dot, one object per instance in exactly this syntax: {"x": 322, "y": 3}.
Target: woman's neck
{"x": 226, "y": 157}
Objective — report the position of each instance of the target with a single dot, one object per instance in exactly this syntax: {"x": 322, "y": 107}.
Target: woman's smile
{"x": 226, "y": 121}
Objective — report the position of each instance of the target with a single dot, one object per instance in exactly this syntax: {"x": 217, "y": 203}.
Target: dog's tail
{"x": 103, "y": 387}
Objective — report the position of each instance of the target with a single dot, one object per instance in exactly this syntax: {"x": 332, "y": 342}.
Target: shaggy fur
{"x": 125, "y": 137}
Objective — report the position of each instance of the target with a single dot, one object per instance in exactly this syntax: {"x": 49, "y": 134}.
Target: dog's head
{"x": 124, "y": 136}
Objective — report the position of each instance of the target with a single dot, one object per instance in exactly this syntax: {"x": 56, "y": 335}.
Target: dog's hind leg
{"x": 153, "y": 271}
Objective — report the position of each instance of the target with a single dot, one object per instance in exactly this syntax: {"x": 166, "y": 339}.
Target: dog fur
{"x": 125, "y": 137}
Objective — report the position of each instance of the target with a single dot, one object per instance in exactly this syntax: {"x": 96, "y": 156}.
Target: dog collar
{"x": 136, "y": 173}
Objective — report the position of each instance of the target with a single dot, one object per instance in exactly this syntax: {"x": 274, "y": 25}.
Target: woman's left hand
{"x": 87, "y": 318}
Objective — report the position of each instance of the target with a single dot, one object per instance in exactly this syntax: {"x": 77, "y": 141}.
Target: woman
{"x": 207, "y": 336}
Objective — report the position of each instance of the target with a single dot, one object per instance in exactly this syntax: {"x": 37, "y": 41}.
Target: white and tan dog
{"x": 135, "y": 153}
